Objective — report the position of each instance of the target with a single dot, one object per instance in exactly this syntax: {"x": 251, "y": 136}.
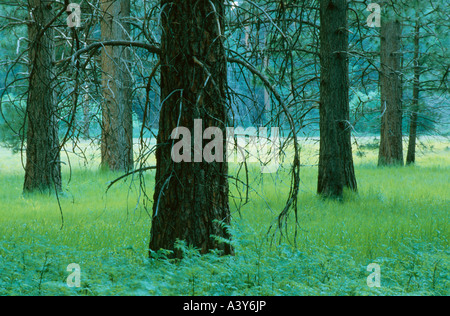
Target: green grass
{"x": 399, "y": 220}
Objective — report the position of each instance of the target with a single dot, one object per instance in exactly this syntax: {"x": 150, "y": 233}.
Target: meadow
{"x": 399, "y": 220}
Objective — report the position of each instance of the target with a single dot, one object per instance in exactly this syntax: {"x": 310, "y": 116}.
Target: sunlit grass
{"x": 399, "y": 219}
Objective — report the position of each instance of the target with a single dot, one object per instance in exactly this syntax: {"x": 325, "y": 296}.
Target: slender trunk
{"x": 117, "y": 122}
{"x": 86, "y": 114}
{"x": 391, "y": 146}
{"x": 336, "y": 169}
{"x": 43, "y": 168}
{"x": 411, "y": 155}
{"x": 191, "y": 198}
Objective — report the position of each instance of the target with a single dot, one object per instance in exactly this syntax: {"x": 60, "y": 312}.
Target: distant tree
{"x": 413, "y": 122}
{"x": 117, "y": 121}
{"x": 427, "y": 69}
{"x": 391, "y": 142}
{"x": 43, "y": 168}
{"x": 336, "y": 169}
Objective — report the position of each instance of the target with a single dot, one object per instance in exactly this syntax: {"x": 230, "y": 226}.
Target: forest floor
{"x": 399, "y": 220}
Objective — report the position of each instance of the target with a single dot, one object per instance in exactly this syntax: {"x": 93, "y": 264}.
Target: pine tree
{"x": 336, "y": 169}
{"x": 191, "y": 198}
{"x": 43, "y": 167}
{"x": 117, "y": 121}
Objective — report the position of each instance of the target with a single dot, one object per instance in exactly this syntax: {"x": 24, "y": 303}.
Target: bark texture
{"x": 191, "y": 198}
{"x": 43, "y": 168}
{"x": 336, "y": 169}
{"x": 391, "y": 147}
{"x": 117, "y": 121}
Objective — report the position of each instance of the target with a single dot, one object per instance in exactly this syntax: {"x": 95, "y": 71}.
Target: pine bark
{"x": 43, "y": 168}
{"x": 117, "y": 121}
{"x": 191, "y": 198}
{"x": 391, "y": 146}
{"x": 336, "y": 169}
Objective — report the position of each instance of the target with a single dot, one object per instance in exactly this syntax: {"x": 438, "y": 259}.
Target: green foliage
{"x": 398, "y": 220}
{"x": 12, "y": 124}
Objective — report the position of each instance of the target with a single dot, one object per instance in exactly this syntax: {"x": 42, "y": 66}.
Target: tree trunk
{"x": 86, "y": 114}
{"x": 391, "y": 146}
{"x": 117, "y": 121}
{"x": 336, "y": 169}
{"x": 191, "y": 198}
{"x": 411, "y": 155}
{"x": 43, "y": 168}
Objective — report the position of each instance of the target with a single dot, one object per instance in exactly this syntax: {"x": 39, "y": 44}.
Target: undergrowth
{"x": 398, "y": 220}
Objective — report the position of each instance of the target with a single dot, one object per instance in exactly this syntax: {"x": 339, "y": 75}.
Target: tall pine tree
{"x": 191, "y": 198}
{"x": 43, "y": 167}
{"x": 336, "y": 170}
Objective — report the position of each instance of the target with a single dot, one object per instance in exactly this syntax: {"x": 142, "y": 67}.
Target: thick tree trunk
{"x": 191, "y": 198}
{"x": 391, "y": 146}
{"x": 336, "y": 169}
{"x": 117, "y": 121}
{"x": 411, "y": 155}
{"x": 43, "y": 168}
